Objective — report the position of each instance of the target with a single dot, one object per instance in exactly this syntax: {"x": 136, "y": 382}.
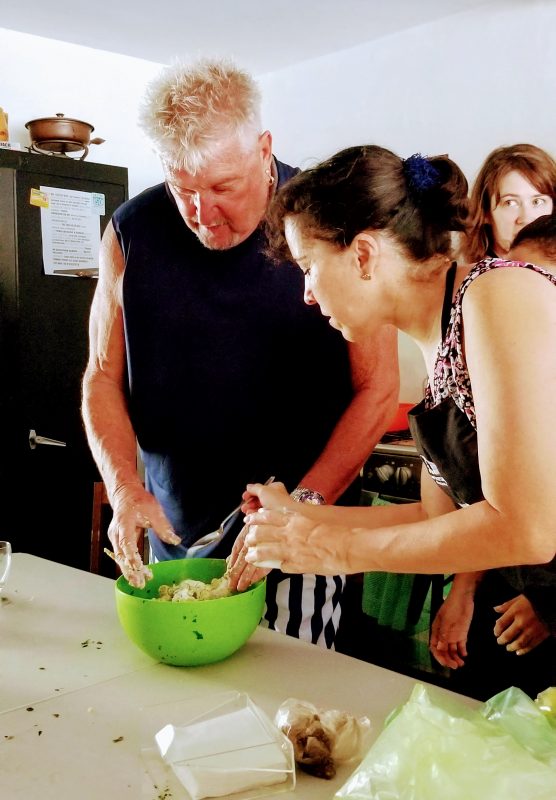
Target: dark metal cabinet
{"x": 45, "y": 490}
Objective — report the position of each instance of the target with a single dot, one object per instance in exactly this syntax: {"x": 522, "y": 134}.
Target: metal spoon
{"x": 214, "y": 536}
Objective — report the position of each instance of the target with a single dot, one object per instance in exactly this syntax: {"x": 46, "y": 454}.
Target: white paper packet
{"x": 235, "y": 749}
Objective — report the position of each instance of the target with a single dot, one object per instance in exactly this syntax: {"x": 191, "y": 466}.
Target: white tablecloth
{"x": 74, "y": 689}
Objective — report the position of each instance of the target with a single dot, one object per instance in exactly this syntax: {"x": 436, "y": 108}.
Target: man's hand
{"x": 134, "y": 509}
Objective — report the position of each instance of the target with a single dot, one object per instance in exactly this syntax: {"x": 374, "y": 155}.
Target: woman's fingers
{"x": 509, "y": 634}
{"x": 273, "y": 495}
{"x": 502, "y": 624}
{"x": 269, "y": 556}
{"x": 521, "y": 643}
{"x": 250, "y": 574}
{"x": 238, "y": 548}
{"x": 265, "y": 539}
{"x": 526, "y": 640}
{"x": 267, "y": 518}
{"x": 446, "y": 642}
{"x": 250, "y": 505}
{"x": 246, "y": 565}
{"x": 451, "y": 655}
{"x": 242, "y": 574}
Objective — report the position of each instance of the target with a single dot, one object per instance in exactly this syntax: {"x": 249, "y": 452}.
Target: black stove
{"x": 393, "y": 470}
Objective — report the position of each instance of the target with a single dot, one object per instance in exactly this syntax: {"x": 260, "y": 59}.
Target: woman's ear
{"x": 367, "y": 249}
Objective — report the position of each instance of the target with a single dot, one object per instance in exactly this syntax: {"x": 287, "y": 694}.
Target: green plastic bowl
{"x": 192, "y": 632}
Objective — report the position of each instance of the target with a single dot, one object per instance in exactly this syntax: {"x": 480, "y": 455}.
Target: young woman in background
{"x": 515, "y": 185}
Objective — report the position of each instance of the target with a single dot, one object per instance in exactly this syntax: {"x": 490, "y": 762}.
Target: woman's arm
{"x": 510, "y": 328}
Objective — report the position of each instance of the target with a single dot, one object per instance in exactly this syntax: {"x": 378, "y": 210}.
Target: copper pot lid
{"x": 60, "y": 118}
{"x": 60, "y": 135}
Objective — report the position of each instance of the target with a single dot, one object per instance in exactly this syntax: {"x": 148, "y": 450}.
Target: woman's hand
{"x": 241, "y": 574}
{"x": 273, "y": 495}
{"x": 134, "y": 508}
{"x": 281, "y": 534}
{"x": 519, "y": 628}
{"x": 448, "y": 642}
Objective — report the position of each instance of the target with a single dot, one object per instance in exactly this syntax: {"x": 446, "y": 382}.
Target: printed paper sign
{"x": 70, "y": 224}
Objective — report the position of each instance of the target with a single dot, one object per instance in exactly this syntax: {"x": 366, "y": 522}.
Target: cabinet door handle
{"x": 34, "y": 440}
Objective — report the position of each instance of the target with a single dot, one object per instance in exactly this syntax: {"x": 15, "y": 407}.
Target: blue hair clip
{"x": 420, "y": 174}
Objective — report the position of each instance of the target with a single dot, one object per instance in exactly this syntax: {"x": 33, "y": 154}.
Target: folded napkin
{"x": 232, "y": 752}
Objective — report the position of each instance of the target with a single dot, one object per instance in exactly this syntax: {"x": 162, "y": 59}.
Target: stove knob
{"x": 403, "y": 475}
{"x": 385, "y": 472}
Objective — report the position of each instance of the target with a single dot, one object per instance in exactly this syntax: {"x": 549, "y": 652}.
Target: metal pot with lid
{"x": 61, "y": 135}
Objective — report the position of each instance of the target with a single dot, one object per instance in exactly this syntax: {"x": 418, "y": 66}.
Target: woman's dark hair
{"x": 541, "y": 233}
{"x": 418, "y": 201}
{"x": 537, "y": 166}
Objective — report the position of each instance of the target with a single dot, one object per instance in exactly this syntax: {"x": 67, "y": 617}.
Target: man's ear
{"x": 366, "y": 247}
{"x": 265, "y": 144}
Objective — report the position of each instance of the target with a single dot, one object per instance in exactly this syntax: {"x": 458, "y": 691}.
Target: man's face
{"x": 224, "y": 202}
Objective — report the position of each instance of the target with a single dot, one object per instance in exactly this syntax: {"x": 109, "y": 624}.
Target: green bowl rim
{"x": 121, "y": 580}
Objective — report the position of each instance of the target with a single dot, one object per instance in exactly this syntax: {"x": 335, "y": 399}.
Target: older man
{"x": 203, "y": 351}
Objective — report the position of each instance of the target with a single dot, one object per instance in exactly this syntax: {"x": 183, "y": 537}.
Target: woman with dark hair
{"x": 515, "y": 185}
{"x": 371, "y": 233}
{"x": 537, "y": 243}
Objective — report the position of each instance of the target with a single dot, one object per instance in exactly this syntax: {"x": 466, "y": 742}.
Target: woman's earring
{"x": 365, "y": 276}
{"x": 269, "y": 176}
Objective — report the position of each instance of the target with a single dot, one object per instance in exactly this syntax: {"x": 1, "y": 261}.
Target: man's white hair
{"x": 188, "y": 110}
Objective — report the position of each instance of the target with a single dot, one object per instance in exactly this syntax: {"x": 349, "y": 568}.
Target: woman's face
{"x": 520, "y": 203}
{"x": 332, "y": 280}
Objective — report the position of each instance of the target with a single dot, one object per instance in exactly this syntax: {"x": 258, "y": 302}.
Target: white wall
{"x": 41, "y": 77}
{"x": 462, "y": 85}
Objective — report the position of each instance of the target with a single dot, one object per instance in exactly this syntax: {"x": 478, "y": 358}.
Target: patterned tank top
{"x": 451, "y": 378}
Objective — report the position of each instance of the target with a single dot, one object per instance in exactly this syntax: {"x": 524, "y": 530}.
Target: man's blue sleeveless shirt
{"x": 232, "y": 378}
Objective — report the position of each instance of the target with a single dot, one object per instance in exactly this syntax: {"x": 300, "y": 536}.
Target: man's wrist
{"x": 302, "y": 494}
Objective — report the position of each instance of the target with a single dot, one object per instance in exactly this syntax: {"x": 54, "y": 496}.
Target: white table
{"x": 72, "y": 683}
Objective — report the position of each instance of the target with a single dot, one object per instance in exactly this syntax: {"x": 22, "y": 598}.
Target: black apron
{"x": 447, "y": 442}
{"x": 444, "y": 437}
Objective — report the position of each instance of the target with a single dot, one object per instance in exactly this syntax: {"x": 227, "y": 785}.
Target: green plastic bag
{"x": 436, "y": 748}
{"x": 514, "y": 712}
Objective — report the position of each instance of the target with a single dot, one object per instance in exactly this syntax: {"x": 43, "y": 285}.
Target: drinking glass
{"x": 5, "y": 562}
